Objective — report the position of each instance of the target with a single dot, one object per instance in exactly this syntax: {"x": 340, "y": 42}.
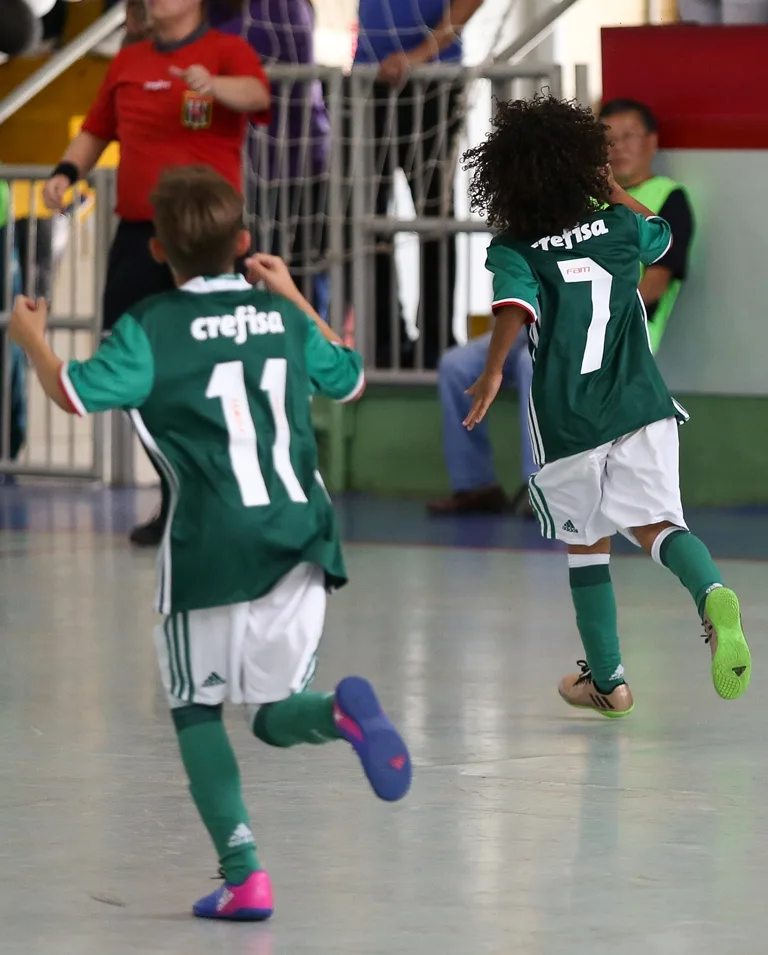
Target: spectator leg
{"x": 321, "y": 292}
{"x": 468, "y": 454}
{"x": 305, "y": 238}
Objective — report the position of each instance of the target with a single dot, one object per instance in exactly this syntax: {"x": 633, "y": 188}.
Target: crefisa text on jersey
{"x": 578, "y": 235}
{"x": 246, "y": 321}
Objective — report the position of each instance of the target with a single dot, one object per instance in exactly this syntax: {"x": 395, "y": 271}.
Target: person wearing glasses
{"x": 633, "y": 144}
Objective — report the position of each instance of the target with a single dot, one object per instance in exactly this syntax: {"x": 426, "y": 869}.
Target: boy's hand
{"x": 273, "y": 272}
{"x": 28, "y": 321}
{"x": 483, "y": 391}
{"x": 197, "y": 78}
{"x": 616, "y": 192}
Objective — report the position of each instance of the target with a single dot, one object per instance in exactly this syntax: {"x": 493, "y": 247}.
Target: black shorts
{"x": 132, "y": 273}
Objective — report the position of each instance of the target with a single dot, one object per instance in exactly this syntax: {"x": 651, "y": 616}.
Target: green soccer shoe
{"x": 731, "y": 659}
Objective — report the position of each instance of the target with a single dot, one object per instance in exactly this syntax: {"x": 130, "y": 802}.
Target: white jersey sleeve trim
{"x": 500, "y": 303}
{"x": 164, "y": 569}
{"x": 71, "y": 395}
{"x": 669, "y": 244}
{"x": 356, "y": 391}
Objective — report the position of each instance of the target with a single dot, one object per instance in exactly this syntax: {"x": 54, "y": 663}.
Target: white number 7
{"x": 586, "y": 270}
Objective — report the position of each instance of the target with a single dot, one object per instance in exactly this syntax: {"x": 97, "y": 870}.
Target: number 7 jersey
{"x": 217, "y": 376}
{"x": 594, "y": 377}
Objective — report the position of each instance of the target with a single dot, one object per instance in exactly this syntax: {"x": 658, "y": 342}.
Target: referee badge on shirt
{"x": 196, "y": 110}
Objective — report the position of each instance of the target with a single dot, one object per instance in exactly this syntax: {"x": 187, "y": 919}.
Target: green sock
{"x": 214, "y": 783}
{"x": 301, "y": 718}
{"x": 690, "y": 561}
{"x": 595, "y": 605}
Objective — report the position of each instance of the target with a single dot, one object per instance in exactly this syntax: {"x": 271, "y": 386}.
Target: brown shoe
{"x": 483, "y": 500}
{"x": 577, "y": 689}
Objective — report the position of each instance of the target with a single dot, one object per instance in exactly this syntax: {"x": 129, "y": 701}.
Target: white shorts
{"x": 253, "y": 653}
{"x": 630, "y": 482}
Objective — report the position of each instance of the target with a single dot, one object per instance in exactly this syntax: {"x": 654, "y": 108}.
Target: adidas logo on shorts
{"x": 569, "y": 528}
{"x": 214, "y": 680}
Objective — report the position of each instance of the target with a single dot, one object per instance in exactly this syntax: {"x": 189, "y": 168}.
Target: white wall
{"x": 577, "y": 37}
{"x": 717, "y": 339}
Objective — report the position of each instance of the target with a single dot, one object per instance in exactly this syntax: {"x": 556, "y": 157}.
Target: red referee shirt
{"x": 159, "y": 122}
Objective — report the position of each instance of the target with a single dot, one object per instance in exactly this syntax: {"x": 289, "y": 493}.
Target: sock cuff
{"x": 193, "y": 715}
{"x": 588, "y": 560}
{"x": 590, "y": 576}
{"x": 260, "y": 727}
{"x": 658, "y": 548}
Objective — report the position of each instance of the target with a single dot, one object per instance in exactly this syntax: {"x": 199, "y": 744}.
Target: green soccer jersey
{"x": 594, "y": 377}
{"x": 217, "y": 377}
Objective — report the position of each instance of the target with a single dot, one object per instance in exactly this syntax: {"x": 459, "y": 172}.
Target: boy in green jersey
{"x": 566, "y": 262}
{"x": 217, "y": 376}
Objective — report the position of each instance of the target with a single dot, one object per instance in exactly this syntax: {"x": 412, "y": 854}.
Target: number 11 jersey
{"x": 594, "y": 377}
{"x": 217, "y": 376}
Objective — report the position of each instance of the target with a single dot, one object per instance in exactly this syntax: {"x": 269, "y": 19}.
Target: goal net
{"x": 342, "y": 149}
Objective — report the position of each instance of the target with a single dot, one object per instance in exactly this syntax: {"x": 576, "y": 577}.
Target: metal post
{"x": 112, "y": 430}
{"x": 7, "y": 305}
{"x": 103, "y": 181}
{"x": 556, "y": 80}
{"x": 581, "y": 76}
{"x": 336, "y": 470}
{"x": 336, "y": 203}
{"x": 361, "y": 267}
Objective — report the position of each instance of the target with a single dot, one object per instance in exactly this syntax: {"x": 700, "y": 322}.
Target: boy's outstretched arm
{"x": 335, "y": 371}
{"x": 273, "y": 272}
{"x": 27, "y": 330}
{"x": 509, "y": 320}
{"x": 119, "y": 375}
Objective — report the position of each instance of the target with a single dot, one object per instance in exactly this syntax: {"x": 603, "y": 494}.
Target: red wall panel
{"x": 707, "y": 85}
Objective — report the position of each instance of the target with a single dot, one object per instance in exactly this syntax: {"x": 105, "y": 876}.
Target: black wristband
{"x": 68, "y": 169}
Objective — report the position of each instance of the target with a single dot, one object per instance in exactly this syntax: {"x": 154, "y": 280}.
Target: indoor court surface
{"x": 531, "y": 829}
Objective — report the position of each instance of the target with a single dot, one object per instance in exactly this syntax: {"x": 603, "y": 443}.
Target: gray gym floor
{"x": 531, "y": 829}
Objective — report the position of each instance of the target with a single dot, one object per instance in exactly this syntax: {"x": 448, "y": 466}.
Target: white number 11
{"x": 228, "y": 384}
{"x": 586, "y": 270}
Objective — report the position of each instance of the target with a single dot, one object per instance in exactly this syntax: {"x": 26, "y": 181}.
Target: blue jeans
{"x": 468, "y": 454}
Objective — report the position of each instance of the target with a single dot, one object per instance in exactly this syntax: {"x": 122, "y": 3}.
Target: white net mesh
{"x": 342, "y": 149}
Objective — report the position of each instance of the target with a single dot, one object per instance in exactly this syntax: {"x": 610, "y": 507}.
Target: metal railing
{"x": 418, "y": 260}
{"x": 330, "y": 213}
{"x": 332, "y": 197}
{"x": 530, "y": 37}
{"x": 61, "y": 258}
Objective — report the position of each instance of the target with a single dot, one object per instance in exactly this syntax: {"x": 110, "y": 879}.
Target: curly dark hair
{"x": 541, "y": 169}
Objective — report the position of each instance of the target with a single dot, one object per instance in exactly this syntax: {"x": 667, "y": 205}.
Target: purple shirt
{"x": 281, "y": 32}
